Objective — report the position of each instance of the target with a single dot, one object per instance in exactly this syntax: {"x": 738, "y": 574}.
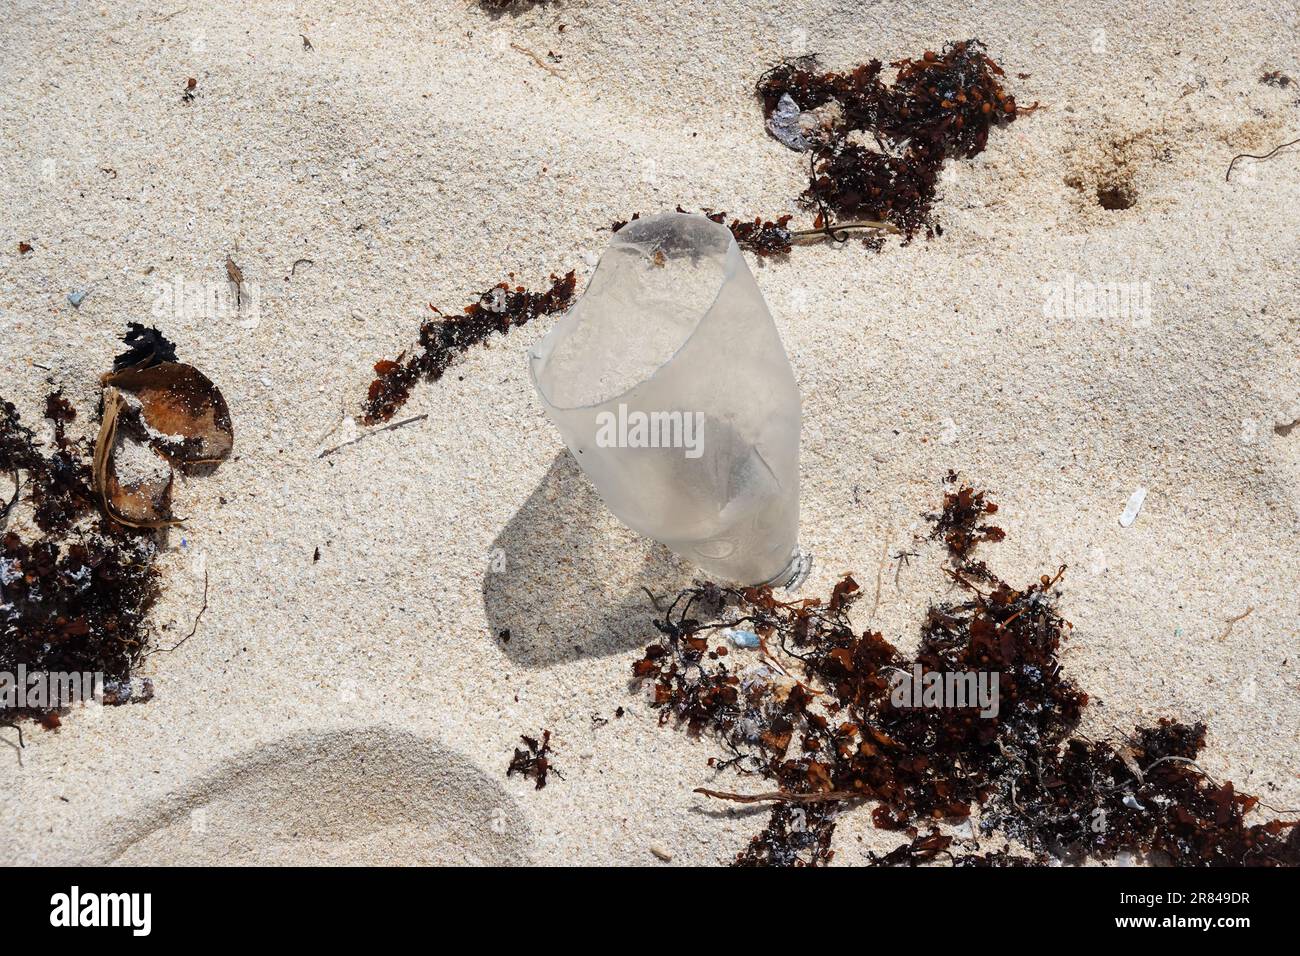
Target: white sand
{"x": 360, "y": 709}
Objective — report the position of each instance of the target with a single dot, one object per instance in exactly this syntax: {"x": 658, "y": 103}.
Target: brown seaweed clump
{"x": 817, "y": 717}
{"x": 497, "y": 310}
{"x": 75, "y": 592}
{"x": 876, "y": 150}
{"x": 533, "y": 760}
{"x": 77, "y": 541}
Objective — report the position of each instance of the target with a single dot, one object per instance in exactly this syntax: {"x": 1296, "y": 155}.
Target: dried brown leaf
{"x": 184, "y": 407}
{"x": 143, "y": 505}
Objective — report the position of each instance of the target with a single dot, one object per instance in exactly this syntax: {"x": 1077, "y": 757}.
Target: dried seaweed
{"x": 958, "y": 524}
{"x": 57, "y": 482}
{"x": 922, "y": 849}
{"x": 77, "y": 582}
{"x": 814, "y": 716}
{"x": 535, "y": 761}
{"x": 497, "y": 310}
{"x": 877, "y": 151}
{"x": 75, "y": 594}
{"x": 147, "y": 347}
{"x": 795, "y": 835}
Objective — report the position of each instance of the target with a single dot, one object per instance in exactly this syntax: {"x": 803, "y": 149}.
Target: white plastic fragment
{"x": 1133, "y": 507}
{"x": 742, "y": 638}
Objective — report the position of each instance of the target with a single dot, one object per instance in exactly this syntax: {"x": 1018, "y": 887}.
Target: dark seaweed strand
{"x": 441, "y": 340}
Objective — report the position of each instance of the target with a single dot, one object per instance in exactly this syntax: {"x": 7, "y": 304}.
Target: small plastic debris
{"x": 661, "y": 853}
{"x": 741, "y": 638}
{"x": 76, "y": 297}
{"x": 1133, "y": 507}
{"x": 1131, "y": 802}
{"x": 784, "y": 126}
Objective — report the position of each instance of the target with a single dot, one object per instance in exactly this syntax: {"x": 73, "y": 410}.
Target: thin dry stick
{"x": 1269, "y": 155}
{"x": 880, "y": 570}
{"x": 538, "y": 60}
{"x": 8, "y": 506}
{"x": 654, "y": 601}
{"x": 18, "y": 748}
{"x": 1172, "y": 758}
{"x": 833, "y": 231}
{"x": 364, "y": 435}
{"x": 198, "y": 617}
{"x": 902, "y": 557}
{"x": 1230, "y": 621}
{"x": 782, "y": 796}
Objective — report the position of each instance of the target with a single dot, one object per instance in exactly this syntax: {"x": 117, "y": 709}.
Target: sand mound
{"x": 354, "y": 797}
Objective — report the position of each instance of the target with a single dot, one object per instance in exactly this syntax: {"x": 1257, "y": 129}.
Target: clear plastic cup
{"x": 669, "y": 384}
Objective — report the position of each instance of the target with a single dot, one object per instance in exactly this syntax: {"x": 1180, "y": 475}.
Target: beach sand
{"x": 362, "y": 708}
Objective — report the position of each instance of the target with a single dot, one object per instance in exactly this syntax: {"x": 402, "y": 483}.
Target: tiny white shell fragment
{"x": 1133, "y": 507}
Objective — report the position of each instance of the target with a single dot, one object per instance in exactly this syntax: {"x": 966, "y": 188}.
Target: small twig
{"x": 538, "y": 60}
{"x": 198, "y": 617}
{"x": 902, "y": 558}
{"x": 782, "y": 796}
{"x": 1172, "y": 758}
{"x": 837, "y": 230}
{"x": 654, "y": 601}
{"x": 236, "y": 276}
{"x": 880, "y": 571}
{"x": 963, "y": 582}
{"x": 1269, "y": 155}
{"x": 1002, "y": 624}
{"x": 776, "y": 665}
{"x": 21, "y": 744}
{"x": 18, "y": 487}
{"x": 1230, "y": 621}
{"x": 364, "y": 435}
